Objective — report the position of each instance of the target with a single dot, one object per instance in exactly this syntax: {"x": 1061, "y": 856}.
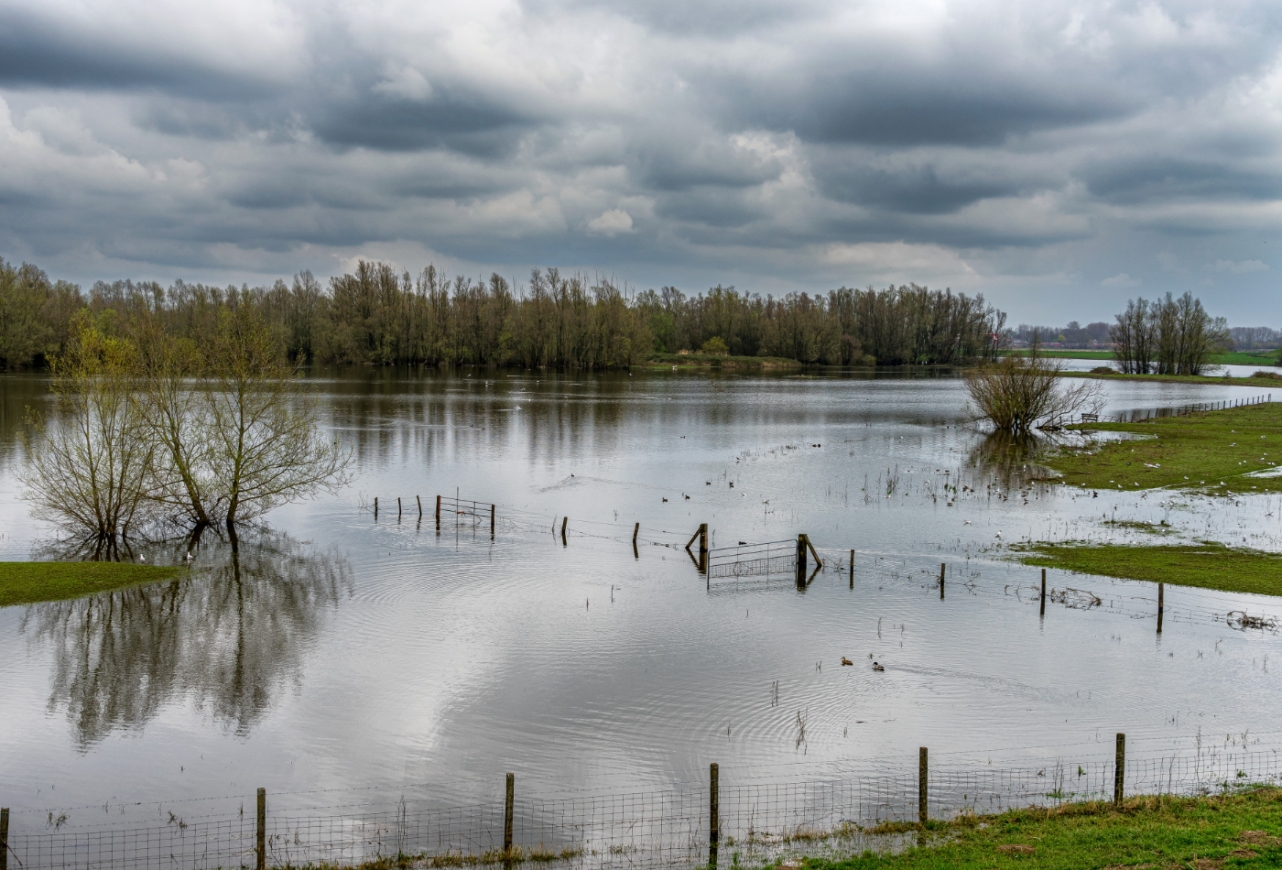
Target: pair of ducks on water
{"x": 875, "y": 666}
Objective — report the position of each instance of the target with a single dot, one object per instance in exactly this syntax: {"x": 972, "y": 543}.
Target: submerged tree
{"x": 1020, "y": 394}
{"x": 91, "y": 473}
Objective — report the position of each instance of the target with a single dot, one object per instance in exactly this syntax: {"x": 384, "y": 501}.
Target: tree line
{"x": 1167, "y": 336}
{"x": 375, "y": 315}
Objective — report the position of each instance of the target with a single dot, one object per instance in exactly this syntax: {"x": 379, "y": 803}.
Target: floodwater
{"x": 340, "y": 651}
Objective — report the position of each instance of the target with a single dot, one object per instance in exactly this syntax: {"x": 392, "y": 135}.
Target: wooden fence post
{"x": 703, "y": 547}
{"x": 942, "y": 568}
{"x": 714, "y": 812}
{"x": 923, "y": 810}
{"x": 420, "y": 506}
{"x": 801, "y": 561}
{"x": 375, "y": 507}
{"x": 398, "y": 508}
{"x": 852, "y": 569}
{"x": 1161, "y": 604}
{"x": 1042, "y": 601}
{"x": 1119, "y": 769}
{"x": 438, "y": 513}
{"x": 4, "y": 838}
{"x": 508, "y": 802}
{"x": 260, "y": 834}
{"x": 564, "y": 520}
{"x": 491, "y": 521}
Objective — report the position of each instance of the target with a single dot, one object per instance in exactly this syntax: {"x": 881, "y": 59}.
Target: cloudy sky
{"x": 1058, "y": 157}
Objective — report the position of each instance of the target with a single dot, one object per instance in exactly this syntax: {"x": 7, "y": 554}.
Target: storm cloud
{"x": 1032, "y": 152}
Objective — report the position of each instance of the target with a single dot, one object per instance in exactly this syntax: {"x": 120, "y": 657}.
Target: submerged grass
{"x": 1205, "y": 833}
{"x": 1213, "y": 451}
{"x": 33, "y": 582}
{"x": 1206, "y": 565}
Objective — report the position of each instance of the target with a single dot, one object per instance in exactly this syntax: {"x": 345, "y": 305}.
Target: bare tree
{"x": 91, "y": 472}
{"x": 266, "y": 448}
{"x": 1020, "y": 394}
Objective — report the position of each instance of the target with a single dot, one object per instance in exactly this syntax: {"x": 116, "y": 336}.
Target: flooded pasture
{"x": 339, "y": 651}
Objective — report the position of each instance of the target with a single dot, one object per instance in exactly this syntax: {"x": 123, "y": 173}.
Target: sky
{"x": 1059, "y": 158}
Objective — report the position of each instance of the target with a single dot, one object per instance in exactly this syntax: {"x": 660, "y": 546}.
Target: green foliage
{"x": 1151, "y": 832}
{"x": 35, "y": 315}
{"x": 715, "y": 346}
{"x": 32, "y": 582}
{"x": 1206, "y": 565}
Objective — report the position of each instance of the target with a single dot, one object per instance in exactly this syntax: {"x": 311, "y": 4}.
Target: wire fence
{"x": 670, "y": 828}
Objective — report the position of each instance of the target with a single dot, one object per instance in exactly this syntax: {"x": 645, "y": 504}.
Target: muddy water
{"x": 341, "y": 652}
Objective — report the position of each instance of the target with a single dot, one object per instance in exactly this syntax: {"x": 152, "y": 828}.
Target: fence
{"x": 692, "y": 826}
{"x": 1134, "y": 416}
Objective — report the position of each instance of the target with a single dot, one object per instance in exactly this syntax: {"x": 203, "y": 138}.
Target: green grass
{"x": 1206, "y": 565}
{"x": 1237, "y": 830}
{"x": 1233, "y": 358}
{"x": 1270, "y": 380}
{"x": 32, "y": 582}
{"x": 1210, "y": 451}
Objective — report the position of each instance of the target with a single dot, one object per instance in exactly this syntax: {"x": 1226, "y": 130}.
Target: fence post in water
{"x": 491, "y": 521}
{"x": 1119, "y": 769}
{"x": 508, "y": 801}
{"x": 942, "y": 567}
{"x": 923, "y": 812}
{"x": 419, "y": 499}
{"x": 703, "y": 547}
{"x": 1161, "y": 604}
{"x": 801, "y": 561}
{"x": 438, "y": 513}
{"x": 375, "y": 507}
{"x": 398, "y": 508}
{"x": 1042, "y": 601}
{"x": 4, "y": 838}
{"x": 852, "y": 569}
{"x": 714, "y": 812}
{"x": 260, "y": 835}
{"x": 564, "y": 520}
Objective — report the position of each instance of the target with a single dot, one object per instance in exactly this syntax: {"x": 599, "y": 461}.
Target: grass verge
{"x": 32, "y": 582}
{"x": 1208, "y": 833}
{"x": 1206, "y": 565}
{"x": 1213, "y": 451}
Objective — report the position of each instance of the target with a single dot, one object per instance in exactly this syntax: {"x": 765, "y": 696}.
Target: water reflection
{"x": 1011, "y": 459}
{"x": 227, "y": 637}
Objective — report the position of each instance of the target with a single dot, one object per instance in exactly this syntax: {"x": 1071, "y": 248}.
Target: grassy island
{"x": 1234, "y": 830}
{"x": 1236, "y": 450}
{"x": 32, "y": 582}
{"x": 718, "y": 361}
{"x": 1206, "y": 565}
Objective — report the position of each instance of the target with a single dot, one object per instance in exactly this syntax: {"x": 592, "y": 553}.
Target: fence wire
{"x": 758, "y": 822}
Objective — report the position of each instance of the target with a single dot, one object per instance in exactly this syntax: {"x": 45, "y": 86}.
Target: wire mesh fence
{"x": 755, "y": 822}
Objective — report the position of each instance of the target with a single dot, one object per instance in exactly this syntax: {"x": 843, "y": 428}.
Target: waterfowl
{"x": 877, "y": 667}
{"x": 845, "y": 661}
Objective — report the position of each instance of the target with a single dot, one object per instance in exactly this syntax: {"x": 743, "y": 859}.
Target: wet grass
{"x": 1212, "y": 451}
{"x": 1206, "y": 565}
{"x": 1271, "y": 380}
{"x": 1232, "y": 358}
{"x": 1208, "y": 833}
{"x": 33, "y": 582}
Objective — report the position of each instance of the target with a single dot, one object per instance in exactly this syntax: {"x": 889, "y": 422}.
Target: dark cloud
{"x": 990, "y": 144}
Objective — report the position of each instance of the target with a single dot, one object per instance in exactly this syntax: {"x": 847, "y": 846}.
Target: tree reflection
{"x": 228, "y": 637}
{"x": 1012, "y": 459}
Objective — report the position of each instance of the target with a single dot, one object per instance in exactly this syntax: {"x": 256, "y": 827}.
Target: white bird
{"x": 999, "y": 533}
{"x": 142, "y": 558}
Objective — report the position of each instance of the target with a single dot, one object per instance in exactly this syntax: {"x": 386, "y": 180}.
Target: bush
{"x": 715, "y": 346}
{"x": 1020, "y": 394}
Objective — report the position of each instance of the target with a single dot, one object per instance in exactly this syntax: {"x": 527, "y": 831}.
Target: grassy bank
{"x": 1268, "y": 380}
{"x": 1211, "y": 451}
{"x": 1206, "y": 565}
{"x": 1209, "y": 833}
{"x": 707, "y": 360}
{"x": 1232, "y": 358}
{"x": 32, "y": 582}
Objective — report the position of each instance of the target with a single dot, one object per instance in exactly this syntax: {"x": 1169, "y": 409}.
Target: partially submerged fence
{"x": 695, "y": 825}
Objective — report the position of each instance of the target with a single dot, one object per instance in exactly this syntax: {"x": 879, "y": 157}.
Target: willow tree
{"x": 1020, "y": 394}
{"x": 265, "y": 444}
{"x": 91, "y": 472}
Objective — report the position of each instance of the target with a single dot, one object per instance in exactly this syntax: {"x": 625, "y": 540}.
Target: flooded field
{"x": 344, "y": 652}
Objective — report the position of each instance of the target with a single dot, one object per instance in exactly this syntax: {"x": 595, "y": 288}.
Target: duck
{"x": 845, "y": 661}
{"x": 665, "y": 499}
{"x": 877, "y": 667}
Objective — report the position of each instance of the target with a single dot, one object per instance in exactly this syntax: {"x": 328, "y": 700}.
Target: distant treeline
{"x": 375, "y": 315}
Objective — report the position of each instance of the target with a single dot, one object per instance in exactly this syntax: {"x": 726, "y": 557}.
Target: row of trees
{"x": 1167, "y": 336}
{"x": 375, "y": 315}
{"x": 156, "y": 428}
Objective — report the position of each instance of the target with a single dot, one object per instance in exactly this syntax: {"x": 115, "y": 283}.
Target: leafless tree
{"x": 1020, "y": 394}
